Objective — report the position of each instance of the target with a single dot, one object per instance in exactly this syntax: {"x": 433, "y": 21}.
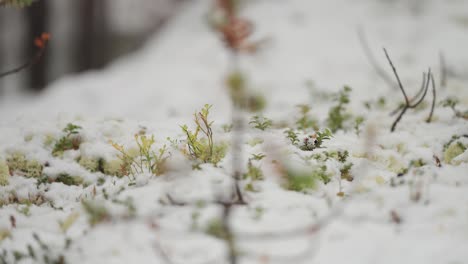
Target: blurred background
{"x": 86, "y": 35}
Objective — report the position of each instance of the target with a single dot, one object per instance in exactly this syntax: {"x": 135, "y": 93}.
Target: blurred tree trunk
{"x": 92, "y": 34}
{"x": 36, "y": 23}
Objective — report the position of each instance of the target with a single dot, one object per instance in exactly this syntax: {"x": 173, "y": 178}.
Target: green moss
{"x": 115, "y": 167}
{"x": 33, "y": 169}
{"x": 17, "y": 161}
{"x": 91, "y": 164}
{"x": 454, "y": 149}
{"x": 4, "y": 173}
{"x": 67, "y": 179}
{"x": 305, "y": 180}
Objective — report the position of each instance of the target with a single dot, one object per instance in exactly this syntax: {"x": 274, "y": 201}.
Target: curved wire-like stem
{"x": 416, "y": 100}
{"x": 35, "y": 59}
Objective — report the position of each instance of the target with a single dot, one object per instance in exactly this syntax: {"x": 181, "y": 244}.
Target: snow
{"x": 160, "y": 87}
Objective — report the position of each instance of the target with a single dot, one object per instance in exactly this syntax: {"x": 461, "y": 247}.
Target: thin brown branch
{"x": 429, "y": 119}
{"x": 427, "y": 78}
{"x": 41, "y": 44}
{"x": 397, "y": 77}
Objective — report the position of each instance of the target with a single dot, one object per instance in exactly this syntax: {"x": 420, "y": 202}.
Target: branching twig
{"x": 429, "y": 119}
{"x": 413, "y": 103}
{"x": 41, "y": 44}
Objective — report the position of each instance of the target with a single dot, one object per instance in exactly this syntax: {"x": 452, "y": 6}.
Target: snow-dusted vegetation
{"x": 266, "y": 132}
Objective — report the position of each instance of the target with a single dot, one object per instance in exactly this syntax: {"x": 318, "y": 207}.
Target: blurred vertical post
{"x": 37, "y": 22}
{"x": 92, "y": 35}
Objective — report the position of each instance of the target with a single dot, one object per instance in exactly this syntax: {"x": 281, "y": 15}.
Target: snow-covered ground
{"x": 311, "y": 50}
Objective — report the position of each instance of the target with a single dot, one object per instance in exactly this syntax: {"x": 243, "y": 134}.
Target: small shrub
{"x": 141, "y": 161}
{"x": 200, "y": 143}
{"x": 305, "y": 121}
{"x": 260, "y": 122}
{"x": 337, "y": 115}
{"x": 71, "y": 140}
{"x": 304, "y": 180}
{"x": 452, "y": 103}
{"x": 292, "y": 136}
{"x": 316, "y": 140}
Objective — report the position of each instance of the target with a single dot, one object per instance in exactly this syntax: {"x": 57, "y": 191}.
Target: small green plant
{"x": 337, "y": 115}
{"x": 200, "y": 143}
{"x": 304, "y": 180}
{"x": 316, "y": 140}
{"x": 305, "y": 121}
{"x": 144, "y": 159}
{"x": 254, "y": 172}
{"x": 71, "y": 140}
{"x": 357, "y": 124}
{"x": 292, "y": 136}
{"x": 261, "y": 122}
{"x": 452, "y": 103}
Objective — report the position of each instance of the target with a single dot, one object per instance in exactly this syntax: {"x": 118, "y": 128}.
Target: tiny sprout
{"x": 261, "y": 122}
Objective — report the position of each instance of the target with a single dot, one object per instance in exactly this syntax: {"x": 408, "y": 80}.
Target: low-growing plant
{"x": 64, "y": 178}
{"x": 260, "y": 122}
{"x": 357, "y": 124}
{"x": 71, "y": 140}
{"x": 304, "y": 180}
{"x": 452, "y": 103}
{"x": 17, "y": 162}
{"x": 316, "y": 140}
{"x": 292, "y": 136}
{"x": 144, "y": 159}
{"x": 305, "y": 121}
{"x": 337, "y": 115}
{"x": 254, "y": 172}
{"x": 200, "y": 143}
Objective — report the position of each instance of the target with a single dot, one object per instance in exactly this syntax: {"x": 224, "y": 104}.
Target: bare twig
{"x": 41, "y": 44}
{"x": 371, "y": 58}
{"x": 415, "y": 101}
{"x": 429, "y": 119}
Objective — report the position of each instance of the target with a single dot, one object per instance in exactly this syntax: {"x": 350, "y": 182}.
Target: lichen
{"x": 455, "y": 149}
{"x": 4, "y": 173}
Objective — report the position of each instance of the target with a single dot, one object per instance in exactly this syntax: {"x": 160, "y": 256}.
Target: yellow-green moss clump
{"x": 91, "y": 164}
{"x": 4, "y": 173}
{"x": 114, "y": 167}
{"x": 455, "y": 149}
{"x": 18, "y": 162}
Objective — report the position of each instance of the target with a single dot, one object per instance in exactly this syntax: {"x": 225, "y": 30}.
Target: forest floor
{"x": 81, "y": 180}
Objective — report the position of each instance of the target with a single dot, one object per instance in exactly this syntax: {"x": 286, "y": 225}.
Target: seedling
{"x": 200, "y": 143}
{"x": 145, "y": 159}
{"x": 452, "y": 103}
{"x": 305, "y": 122}
{"x": 292, "y": 136}
{"x": 337, "y": 115}
{"x": 261, "y": 122}
{"x": 71, "y": 140}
